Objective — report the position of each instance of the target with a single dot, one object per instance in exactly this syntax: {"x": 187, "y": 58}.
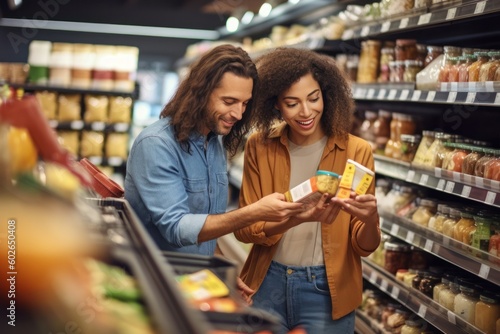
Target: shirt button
{"x": 289, "y": 271}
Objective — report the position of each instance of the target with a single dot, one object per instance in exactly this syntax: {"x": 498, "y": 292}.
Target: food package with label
{"x": 309, "y": 192}
{"x": 69, "y": 107}
{"x": 120, "y": 109}
{"x": 91, "y": 144}
{"x": 48, "y": 101}
{"x": 70, "y": 140}
{"x": 117, "y": 145}
{"x": 96, "y": 108}
{"x": 356, "y": 177}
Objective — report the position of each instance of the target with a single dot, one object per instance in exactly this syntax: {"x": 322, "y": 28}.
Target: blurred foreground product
{"x": 26, "y": 113}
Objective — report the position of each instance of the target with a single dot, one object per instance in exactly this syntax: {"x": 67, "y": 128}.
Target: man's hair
{"x": 188, "y": 107}
{"x": 281, "y": 68}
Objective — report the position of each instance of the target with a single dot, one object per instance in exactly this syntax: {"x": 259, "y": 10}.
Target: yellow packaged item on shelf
{"x": 96, "y": 108}
{"x": 70, "y": 140}
{"x": 201, "y": 285}
{"x": 69, "y": 107}
{"x": 117, "y": 145}
{"x": 356, "y": 177}
{"x": 48, "y": 101}
{"x": 309, "y": 192}
{"x": 91, "y": 144}
{"x": 120, "y": 109}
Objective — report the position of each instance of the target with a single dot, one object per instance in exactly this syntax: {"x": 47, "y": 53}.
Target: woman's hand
{"x": 324, "y": 211}
{"x": 362, "y": 206}
{"x": 244, "y": 291}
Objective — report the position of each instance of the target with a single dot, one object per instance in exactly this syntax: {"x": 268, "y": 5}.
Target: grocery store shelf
{"x": 68, "y": 90}
{"x": 393, "y": 93}
{"x": 425, "y": 307}
{"x": 363, "y": 324}
{"x": 93, "y": 126}
{"x": 457, "y": 253}
{"x": 466, "y": 186}
{"x": 423, "y": 18}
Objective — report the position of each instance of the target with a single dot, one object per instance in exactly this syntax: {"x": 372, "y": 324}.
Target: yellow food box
{"x": 356, "y": 177}
{"x": 309, "y": 192}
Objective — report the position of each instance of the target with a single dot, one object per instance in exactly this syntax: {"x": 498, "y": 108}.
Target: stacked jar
{"x": 426, "y": 209}
{"x": 450, "y": 52}
{"x": 382, "y": 130}
{"x": 369, "y": 61}
{"x": 61, "y": 60}
{"x": 82, "y": 64}
{"x": 465, "y": 302}
{"x": 39, "y": 61}
{"x": 103, "y": 72}
{"x": 397, "y": 256}
{"x": 125, "y": 68}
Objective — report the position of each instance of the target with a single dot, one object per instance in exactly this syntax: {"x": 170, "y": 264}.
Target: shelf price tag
{"x": 348, "y": 34}
{"x": 431, "y": 96}
{"x": 424, "y": 179}
{"x": 404, "y": 94}
{"x": 76, "y": 125}
{"x": 437, "y": 172}
{"x": 416, "y": 95}
{"x": 365, "y": 31}
{"x": 370, "y": 94}
{"x": 121, "y": 127}
{"x": 467, "y": 178}
{"x": 395, "y": 292}
{"x": 53, "y": 123}
{"x": 456, "y": 176}
{"x": 422, "y": 310}
{"x": 95, "y": 160}
{"x": 440, "y": 185}
{"x": 490, "y": 197}
{"x": 471, "y": 96}
{"x": 484, "y": 271}
{"x": 410, "y": 236}
{"x": 410, "y": 175}
{"x": 381, "y": 93}
{"x": 428, "y": 245}
{"x": 449, "y": 186}
{"x": 373, "y": 277}
{"x": 98, "y": 126}
{"x": 424, "y": 18}
{"x": 383, "y": 285}
{"x": 452, "y": 317}
{"x": 385, "y": 26}
{"x": 452, "y": 97}
{"x": 466, "y": 191}
{"x": 115, "y": 161}
{"x": 497, "y": 99}
{"x": 392, "y": 94}
{"x": 450, "y": 15}
{"x": 394, "y": 229}
{"x": 480, "y": 7}
{"x": 404, "y": 22}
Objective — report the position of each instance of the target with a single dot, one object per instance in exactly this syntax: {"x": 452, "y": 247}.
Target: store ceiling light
{"x": 293, "y": 2}
{"x": 265, "y": 9}
{"x": 247, "y": 17}
{"x": 232, "y": 24}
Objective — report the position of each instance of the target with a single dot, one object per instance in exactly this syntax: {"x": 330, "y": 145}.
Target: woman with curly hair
{"x": 306, "y": 269}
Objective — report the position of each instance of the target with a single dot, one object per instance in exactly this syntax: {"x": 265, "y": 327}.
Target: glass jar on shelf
{"x": 481, "y": 162}
{"x": 405, "y": 125}
{"x": 386, "y": 56}
{"x": 426, "y": 209}
{"x": 492, "y": 167}
{"x": 397, "y": 256}
{"x": 450, "y": 222}
{"x": 433, "y": 52}
{"x": 412, "y": 67}
{"x": 487, "y": 311}
{"x": 409, "y": 276}
{"x": 453, "y": 70}
{"x": 423, "y": 146}
{"x": 418, "y": 259}
{"x": 391, "y": 143}
{"x": 406, "y": 49}
{"x": 444, "y": 284}
{"x": 470, "y": 160}
{"x": 432, "y": 158}
{"x": 454, "y": 159}
{"x": 367, "y": 129}
{"x": 409, "y": 146}
{"x": 463, "y": 70}
{"x": 396, "y": 71}
{"x": 474, "y": 69}
{"x": 436, "y": 221}
{"x": 427, "y": 284}
{"x": 369, "y": 61}
{"x": 415, "y": 282}
{"x": 382, "y": 130}
{"x": 388, "y": 310}
{"x": 465, "y": 302}
{"x": 488, "y": 69}
{"x": 374, "y": 304}
{"x": 494, "y": 244}
{"x": 395, "y": 320}
{"x": 466, "y": 220}
{"x": 447, "y": 296}
{"x": 412, "y": 326}
{"x": 449, "y": 52}
{"x": 482, "y": 234}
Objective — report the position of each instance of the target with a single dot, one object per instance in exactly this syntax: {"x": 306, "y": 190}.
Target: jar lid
{"x": 410, "y": 138}
{"x": 396, "y": 246}
{"x": 404, "y": 42}
{"x": 325, "y": 172}
{"x": 428, "y": 133}
{"x": 414, "y": 323}
{"x": 489, "y": 297}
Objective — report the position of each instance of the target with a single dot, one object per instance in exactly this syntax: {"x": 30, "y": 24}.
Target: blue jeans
{"x": 300, "y": 297}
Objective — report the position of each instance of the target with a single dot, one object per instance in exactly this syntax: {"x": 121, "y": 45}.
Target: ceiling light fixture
{"x": 293, "y": 2}
{"x": 232, "y": 24}
{"x": 247, "y": 17}
{"x": 265, "y": 9}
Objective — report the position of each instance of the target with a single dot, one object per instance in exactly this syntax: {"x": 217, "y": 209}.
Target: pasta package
{"x": 117, "y": 145}
{"x": 70, "y": 140}
{"x": 91, "y": 144}
{"x": 310, "y": 191}
{"x": 48, "y": 101}
{"x": 96, "y": 108}
{"x": 69, "y": 108}
{"x": 120, "y": 109}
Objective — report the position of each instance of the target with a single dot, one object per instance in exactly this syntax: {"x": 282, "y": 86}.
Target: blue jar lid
{"x": 325, "y": 172}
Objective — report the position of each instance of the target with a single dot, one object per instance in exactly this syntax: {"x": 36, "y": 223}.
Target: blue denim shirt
{"x": 172, "y": 191}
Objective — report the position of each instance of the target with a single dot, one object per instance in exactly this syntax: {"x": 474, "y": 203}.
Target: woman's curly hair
{"x": 188, "y": 107}
{"x": 282, "y": 67}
